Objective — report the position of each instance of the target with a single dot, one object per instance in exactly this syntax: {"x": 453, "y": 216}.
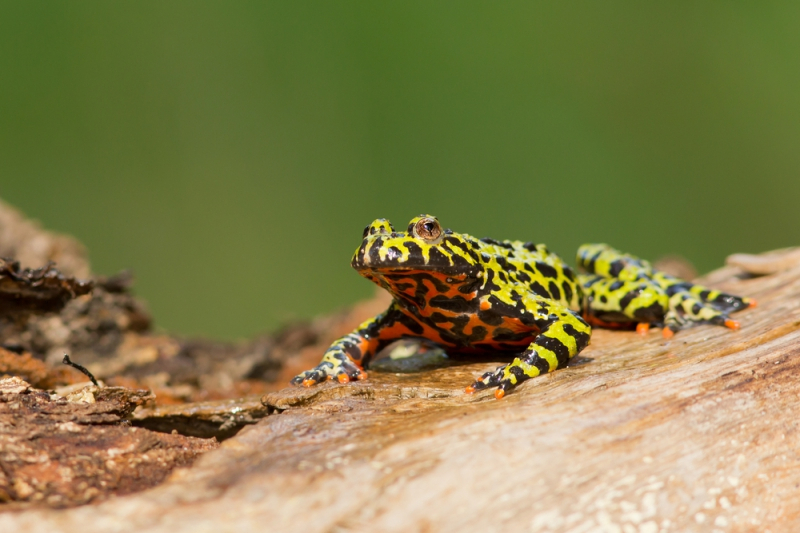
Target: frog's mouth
{"x": 374, "y": 256}
{"x": 442, "y": 272}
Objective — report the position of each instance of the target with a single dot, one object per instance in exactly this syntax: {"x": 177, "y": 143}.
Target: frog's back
{"x": 544, "y": 273}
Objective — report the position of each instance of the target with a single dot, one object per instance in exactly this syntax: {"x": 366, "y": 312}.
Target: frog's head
{"x": 386, "y": 255}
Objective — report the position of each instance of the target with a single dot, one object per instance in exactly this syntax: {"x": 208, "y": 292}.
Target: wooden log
{"x": 695, "y": 433}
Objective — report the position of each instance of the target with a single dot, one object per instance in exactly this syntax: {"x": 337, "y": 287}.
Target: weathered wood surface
{"x": 698, "y": 433}
{"x": 74, "y": 447}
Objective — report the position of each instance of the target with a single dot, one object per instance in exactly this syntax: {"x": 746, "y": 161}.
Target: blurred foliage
{"x": 231, "y": 153}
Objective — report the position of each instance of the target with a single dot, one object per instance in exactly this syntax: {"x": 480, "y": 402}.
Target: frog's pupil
{"x": 429, "y": 227}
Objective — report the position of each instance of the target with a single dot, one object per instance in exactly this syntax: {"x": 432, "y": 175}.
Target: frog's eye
{"x": 428, "y": 229}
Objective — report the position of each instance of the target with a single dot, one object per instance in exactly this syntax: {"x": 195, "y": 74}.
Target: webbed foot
{"x": 506, "y": 377}
{"x": 690, "y": 305}
{"x": 335, "y": 365}
{"x": 489, "y": 379}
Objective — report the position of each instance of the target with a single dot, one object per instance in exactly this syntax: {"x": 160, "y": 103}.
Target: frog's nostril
{"x": 379, "y": 226}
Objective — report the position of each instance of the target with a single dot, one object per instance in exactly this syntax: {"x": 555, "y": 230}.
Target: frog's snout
{"x": 380, "y": 225}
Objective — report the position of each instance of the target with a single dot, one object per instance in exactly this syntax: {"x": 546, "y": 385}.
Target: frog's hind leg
{"x": 604, "y": 261}
{"x": 621, "y": 289}
{"x": 618, "y": 289}
{"x": 611, "y": 302}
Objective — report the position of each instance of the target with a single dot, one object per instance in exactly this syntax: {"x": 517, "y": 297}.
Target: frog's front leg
{"x": 562, "y": 334}
{"x": 347, "y": 356}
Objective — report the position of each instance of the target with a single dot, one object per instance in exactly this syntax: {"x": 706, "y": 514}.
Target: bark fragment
{"x": 34, "y": 247}
{"x": 36, "y": 290}
{"x": 74, "y": 449}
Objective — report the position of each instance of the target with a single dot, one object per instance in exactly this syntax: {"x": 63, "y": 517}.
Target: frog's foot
{"x": 721, "y": 301}
{"x": 489, "y": 379}
{"x": 687, "y": 309}
{"x": 335, "y": 365}
{"x": 508, "y": 376}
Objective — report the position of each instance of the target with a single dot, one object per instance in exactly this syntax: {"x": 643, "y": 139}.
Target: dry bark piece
{"x": 13, "y": 385}
{"x": 768, "y": 263}
{"x": 24, "y": 366}
{"x": 89, "y": 327}
{"x": 62, "y": 452}
{"x": 34, "y": 247}
{"x": 36, "y": 372}
{"x": 42, "y": 289}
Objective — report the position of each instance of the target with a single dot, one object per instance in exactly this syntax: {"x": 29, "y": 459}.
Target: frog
{"x": 484, "y": 296}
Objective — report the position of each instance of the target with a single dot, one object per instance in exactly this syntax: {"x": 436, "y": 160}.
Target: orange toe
{"x": 667, "y": 333}
{"x": 362, "y": 376}
{"x": 752, "y": 302}
{"x": 309, "y": 383}
{"x": 499, "y": 393}
{"x": 343, "y": 378}
{"x": 732, "y": 324}
{"x": 470, "y": 389}
{"x": 642, "y": 328}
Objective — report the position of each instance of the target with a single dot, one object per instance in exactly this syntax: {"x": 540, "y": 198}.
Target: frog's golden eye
{"x": 428, "y": 229}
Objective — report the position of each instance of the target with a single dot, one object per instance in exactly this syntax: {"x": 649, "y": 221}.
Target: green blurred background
{"x": 230, "y": 153}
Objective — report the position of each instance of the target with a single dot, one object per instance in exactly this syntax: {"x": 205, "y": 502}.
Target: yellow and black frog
{"x": 473, "y": 295}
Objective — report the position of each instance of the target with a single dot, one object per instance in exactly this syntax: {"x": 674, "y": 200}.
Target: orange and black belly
{"x": 452, "y": 312}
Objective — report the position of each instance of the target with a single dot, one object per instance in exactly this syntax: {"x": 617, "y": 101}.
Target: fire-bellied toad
{"x": 481, "y": 296}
